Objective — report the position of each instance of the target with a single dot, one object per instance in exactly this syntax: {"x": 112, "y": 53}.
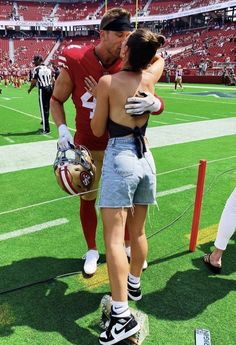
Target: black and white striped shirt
{"x": 43, "y": 75}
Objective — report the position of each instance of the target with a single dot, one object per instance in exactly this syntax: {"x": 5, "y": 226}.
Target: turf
{"x": 180, "y": 294}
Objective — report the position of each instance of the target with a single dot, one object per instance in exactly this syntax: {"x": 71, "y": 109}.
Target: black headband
{"x": 119, "y": 24}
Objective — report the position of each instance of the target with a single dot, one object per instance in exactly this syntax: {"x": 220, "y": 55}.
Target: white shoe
{"x": 90, "y": 264}
{"x": 128, "y": 253}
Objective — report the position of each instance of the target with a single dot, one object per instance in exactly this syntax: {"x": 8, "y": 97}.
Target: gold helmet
{"x": 74, "y": 170}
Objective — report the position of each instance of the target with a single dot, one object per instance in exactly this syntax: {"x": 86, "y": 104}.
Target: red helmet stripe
{"x": 69, "y": 181}
{"x": 64, "y": 180}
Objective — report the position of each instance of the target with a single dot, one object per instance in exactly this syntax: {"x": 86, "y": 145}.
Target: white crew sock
{"x": 120, "y": 309}
{"x": 135, "y": 281}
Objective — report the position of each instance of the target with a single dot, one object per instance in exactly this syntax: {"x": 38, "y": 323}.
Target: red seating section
{"x": 34, "y": 11}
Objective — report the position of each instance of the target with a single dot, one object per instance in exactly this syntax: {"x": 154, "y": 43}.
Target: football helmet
{"x": 74, "y": 169}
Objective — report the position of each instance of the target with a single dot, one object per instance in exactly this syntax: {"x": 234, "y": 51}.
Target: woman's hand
{"x": 91, "y": 85}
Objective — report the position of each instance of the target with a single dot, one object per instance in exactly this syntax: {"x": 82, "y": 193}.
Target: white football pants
{"x": 227, "y": 223}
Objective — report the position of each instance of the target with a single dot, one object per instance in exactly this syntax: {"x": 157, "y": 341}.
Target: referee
{"x": 42, "y": 76}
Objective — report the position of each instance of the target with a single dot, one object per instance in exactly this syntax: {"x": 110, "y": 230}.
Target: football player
{"x": 178, "y": 77}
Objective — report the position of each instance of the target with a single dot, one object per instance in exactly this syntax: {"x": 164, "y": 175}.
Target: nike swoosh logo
{"x": 118, "y": 331}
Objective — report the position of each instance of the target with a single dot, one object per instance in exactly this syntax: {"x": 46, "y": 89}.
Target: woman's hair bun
{"x": 161, "y": 39}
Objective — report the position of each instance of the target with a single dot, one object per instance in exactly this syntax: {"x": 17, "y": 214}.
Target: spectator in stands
{"x": 226, "y": 229}
{"x": 224, "y": 75}
{"x": 78, "y": 64}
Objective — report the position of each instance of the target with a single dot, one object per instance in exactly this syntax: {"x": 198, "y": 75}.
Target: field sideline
{"x": 41, "y": 238}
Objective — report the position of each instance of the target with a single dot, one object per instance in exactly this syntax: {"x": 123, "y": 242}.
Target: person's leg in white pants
{"x": 226, "y": 229}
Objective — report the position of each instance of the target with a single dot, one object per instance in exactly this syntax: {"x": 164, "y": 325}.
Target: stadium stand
{"x": 34, "y": 11}
{"x": 6, "y": 9}
{"x": 26, "y": 48}
{"x": 203, "y": 43}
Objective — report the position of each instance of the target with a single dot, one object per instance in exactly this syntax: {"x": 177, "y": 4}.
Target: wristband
{"x": 56, "y": 99}
{"x": 160, "y": 110}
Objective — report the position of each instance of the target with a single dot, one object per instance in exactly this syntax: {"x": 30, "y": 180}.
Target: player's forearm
{"x": 58, "y": 113}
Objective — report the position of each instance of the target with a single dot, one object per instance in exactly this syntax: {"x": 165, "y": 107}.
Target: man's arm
{"x": 62, "y": 91}
{"x": 32, "y": 85}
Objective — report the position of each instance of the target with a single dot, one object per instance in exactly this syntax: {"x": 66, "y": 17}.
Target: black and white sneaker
{"x": 119, "y": 328}
{"x": 128, "y": 253}
{"x": 134, "y": 291}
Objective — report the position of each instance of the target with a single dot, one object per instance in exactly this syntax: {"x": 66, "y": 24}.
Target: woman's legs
{"x": 136, "y": 225}
{"x": 114, "y": 220}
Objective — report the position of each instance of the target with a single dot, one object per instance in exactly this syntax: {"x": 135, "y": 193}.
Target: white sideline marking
{"x": 192, "y": 131}
{"x": 27, "y": 156}
{"x": 175, "y": 190}
{"x": 16, "y": 157}
{"x": 188, "y": 115}
{"x": 34, "y": 228}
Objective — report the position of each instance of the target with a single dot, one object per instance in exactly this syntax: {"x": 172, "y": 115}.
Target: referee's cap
{"x": 37, "y": 59}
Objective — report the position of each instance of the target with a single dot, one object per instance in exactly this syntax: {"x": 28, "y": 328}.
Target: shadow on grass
{"x": 46, "y": 307}
{"x": 19, "y": 134}
{"x": 188, "y": 293}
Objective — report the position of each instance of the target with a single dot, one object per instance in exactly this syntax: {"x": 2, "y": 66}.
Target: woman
{"x": 128, "y": 176}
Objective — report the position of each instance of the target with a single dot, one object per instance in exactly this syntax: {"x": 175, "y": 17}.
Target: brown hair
{"x": 143, "y": 45}
{"x": 113, "y": 14}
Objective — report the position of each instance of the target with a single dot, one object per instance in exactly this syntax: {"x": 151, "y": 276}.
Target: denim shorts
{"x": 126, "y": 179}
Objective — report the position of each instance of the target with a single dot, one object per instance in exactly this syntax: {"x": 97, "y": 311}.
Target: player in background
{"x": 179, "y": 77}
{"x": 78, "y": 65}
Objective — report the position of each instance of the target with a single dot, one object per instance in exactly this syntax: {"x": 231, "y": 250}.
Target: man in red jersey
{"x": 78, "y": 64}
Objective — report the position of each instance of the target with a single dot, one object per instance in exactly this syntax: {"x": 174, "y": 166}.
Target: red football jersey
{"x": 81, "y": 62}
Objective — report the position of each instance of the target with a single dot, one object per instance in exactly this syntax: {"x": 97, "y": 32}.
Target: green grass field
{"x": 180, "y": 294}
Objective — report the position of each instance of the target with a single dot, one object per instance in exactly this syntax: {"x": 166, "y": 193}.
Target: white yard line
{"x": 160, "y": 122}
{"x": 188, "y": 115}
{"x": 73, "y": 196}
{"x": 175, "y": 190}
{"x": 199, "y": 100}
{"x": 192, "y": 166}
{"x": 182, "y": 120}
{"x": 199, "y": 87}
{"x": 28, "y": 114}
{"x": 9, "y": 140}
{"x": 34, "y": 228}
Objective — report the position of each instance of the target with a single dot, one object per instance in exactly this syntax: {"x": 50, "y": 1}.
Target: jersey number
{"x": 88, "y": 104}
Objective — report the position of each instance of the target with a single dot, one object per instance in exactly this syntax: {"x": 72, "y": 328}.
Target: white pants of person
{"x": 227, "y": 223}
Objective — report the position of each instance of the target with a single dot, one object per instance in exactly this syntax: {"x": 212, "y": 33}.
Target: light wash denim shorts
{"x": 126, "y": 179}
